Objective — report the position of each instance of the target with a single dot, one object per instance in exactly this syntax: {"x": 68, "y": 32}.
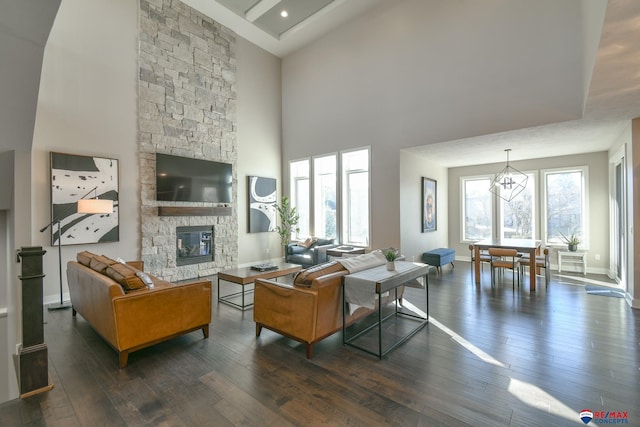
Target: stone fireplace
{"x": 186, "y": 107}
{"x": 194, "y": 245}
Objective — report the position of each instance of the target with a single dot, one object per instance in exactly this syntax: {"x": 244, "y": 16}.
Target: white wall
{"x": 259, "y": 137}
{"x": 88, "y": 106}
{"x": 414, "y": 72}
{"x": 5, "y": 280}
{"x": 391, "y": 80}
{"x": 414, "y": 241}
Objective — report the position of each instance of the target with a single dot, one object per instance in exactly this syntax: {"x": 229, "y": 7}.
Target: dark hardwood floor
{"x": 489, "y": 357}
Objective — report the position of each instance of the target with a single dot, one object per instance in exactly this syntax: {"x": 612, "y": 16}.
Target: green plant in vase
{"x": 289, "y": 218}
{"x": 572, "y": 240}
{"x": 391, "y": 255}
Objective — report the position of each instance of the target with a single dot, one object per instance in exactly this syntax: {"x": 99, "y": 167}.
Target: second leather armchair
{"x": 315, "y": 254}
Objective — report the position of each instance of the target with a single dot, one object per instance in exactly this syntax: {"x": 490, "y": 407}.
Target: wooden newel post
{"x": 32, "y": 360}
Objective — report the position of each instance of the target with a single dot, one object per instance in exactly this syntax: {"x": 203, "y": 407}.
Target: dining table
{"x": 530, "y": 246}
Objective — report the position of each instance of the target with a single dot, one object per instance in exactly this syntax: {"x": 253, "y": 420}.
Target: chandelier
{"x": 509, "y": 182}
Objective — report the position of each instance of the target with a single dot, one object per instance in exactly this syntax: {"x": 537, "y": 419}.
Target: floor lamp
{"x": 85, "y": 206}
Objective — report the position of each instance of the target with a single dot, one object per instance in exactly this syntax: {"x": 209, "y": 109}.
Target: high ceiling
{"x": 259, "y": 21}
{"x": 613, "y": 93}
{"x": 276, "y": 17}
{"x": 24, "y": 29}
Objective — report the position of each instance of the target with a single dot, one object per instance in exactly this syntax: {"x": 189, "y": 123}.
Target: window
{"x": 338, "y": 208}
{"x": 561, "y": 206}
{"x": 518, "y": 215}
{"x": 325, "y": 184}
{"x": 476, "y": 208}
{"x": 299, "y": 172}
{"x": 565, "y": 201}
{"x": 355, "y": 195}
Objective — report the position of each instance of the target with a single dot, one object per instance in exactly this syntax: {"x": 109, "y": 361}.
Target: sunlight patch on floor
{"x": 534, "y": 396}
{"x": 454, "y": 336}
{"x": 580, "y": 281}
{"x": 527, "y": 393}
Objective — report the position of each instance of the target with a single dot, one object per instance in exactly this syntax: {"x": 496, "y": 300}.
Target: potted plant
{"x": 391, "y": 254}
{"x": 572, "y": 240}
{"x": 289, "y": 218}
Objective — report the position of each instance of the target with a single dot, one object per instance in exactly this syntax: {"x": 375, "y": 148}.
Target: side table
{"x": 342, "y": 250}
{"x": 577, "y": 258}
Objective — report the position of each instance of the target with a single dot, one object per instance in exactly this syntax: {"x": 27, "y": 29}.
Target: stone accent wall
{"x": 186, "y": 107}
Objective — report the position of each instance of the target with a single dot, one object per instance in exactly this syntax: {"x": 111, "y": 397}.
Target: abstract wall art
{"x": 262, "y": 204}
{"x": 74, "y": 177}
{"x": 429, "y": 206}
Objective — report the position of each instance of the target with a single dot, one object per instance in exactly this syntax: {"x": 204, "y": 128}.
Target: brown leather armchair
{"x": 308, "y": 310}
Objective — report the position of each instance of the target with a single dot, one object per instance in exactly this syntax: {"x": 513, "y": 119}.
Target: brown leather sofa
{"x": 132, "y": 319}
{"x": 308, "y": 310}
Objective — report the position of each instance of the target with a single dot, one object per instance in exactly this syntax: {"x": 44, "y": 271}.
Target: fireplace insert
{"x": 194, "y": 245}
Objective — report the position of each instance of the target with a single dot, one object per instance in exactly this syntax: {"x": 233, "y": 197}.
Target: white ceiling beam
{"x": 260, "y": 9}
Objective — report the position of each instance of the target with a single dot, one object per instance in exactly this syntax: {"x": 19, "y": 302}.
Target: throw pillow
{"x": 85, "y": 258}
{"x": 322, "y": 242}
{"x": 308, "y": 242}
{"x": 145, "y": 278}
{"x": 305, "y": 277}
{"x": 127, "y": 277}
{"x": 100, "y": 263}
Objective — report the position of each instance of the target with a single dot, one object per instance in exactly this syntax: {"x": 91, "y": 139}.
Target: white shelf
{"x": 572, "y": 258}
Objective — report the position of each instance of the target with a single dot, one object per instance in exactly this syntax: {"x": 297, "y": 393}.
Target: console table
{"x": 378, "y": 281}
{"x": 577, "y": 258}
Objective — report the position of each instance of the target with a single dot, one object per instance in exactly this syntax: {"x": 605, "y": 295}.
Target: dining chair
{"x": 484, "y": 257}
{"x": 505, "y": 258}
{"x": 542, "y": 261}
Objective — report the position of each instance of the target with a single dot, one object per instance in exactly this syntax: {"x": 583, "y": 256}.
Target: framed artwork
{"x": 262, "y": 204}
{"x": 76, "y": 177}
{"x": 429, "y": 206}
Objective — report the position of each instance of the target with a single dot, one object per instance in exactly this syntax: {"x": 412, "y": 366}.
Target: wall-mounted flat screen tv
{"x": 181, "y": 179}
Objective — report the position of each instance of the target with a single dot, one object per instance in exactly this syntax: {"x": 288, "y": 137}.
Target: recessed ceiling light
{"x": 284, "y": 13}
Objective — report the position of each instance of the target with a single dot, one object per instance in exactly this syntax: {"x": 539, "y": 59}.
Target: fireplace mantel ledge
{"x": 194, "y": 211}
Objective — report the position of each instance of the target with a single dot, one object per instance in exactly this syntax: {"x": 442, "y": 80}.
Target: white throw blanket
{"x": 360, "y": 288}
{"x": 363, "y": 262}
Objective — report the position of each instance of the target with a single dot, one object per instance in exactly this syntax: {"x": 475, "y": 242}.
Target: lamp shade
{"x": 509, "y": 182}
{"x": 95, "y": 206}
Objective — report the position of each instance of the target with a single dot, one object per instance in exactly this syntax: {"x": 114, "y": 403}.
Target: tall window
{"x": 518, "y": 215}
{"x": 355, "y": 197}
{"x": 338, "y": 207}
{"x": 476, "y": 208}
{"x": 324, "y": 196}
{"x": 561, "y": 207}
{"x": 300, "y": 197}
{"x": 565, "y": 201}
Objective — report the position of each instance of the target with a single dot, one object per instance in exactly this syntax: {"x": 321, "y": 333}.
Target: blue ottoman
{"x": 439, "y": 257}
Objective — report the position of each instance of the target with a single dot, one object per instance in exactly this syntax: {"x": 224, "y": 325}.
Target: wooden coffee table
{"x": 245, "y": 276}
